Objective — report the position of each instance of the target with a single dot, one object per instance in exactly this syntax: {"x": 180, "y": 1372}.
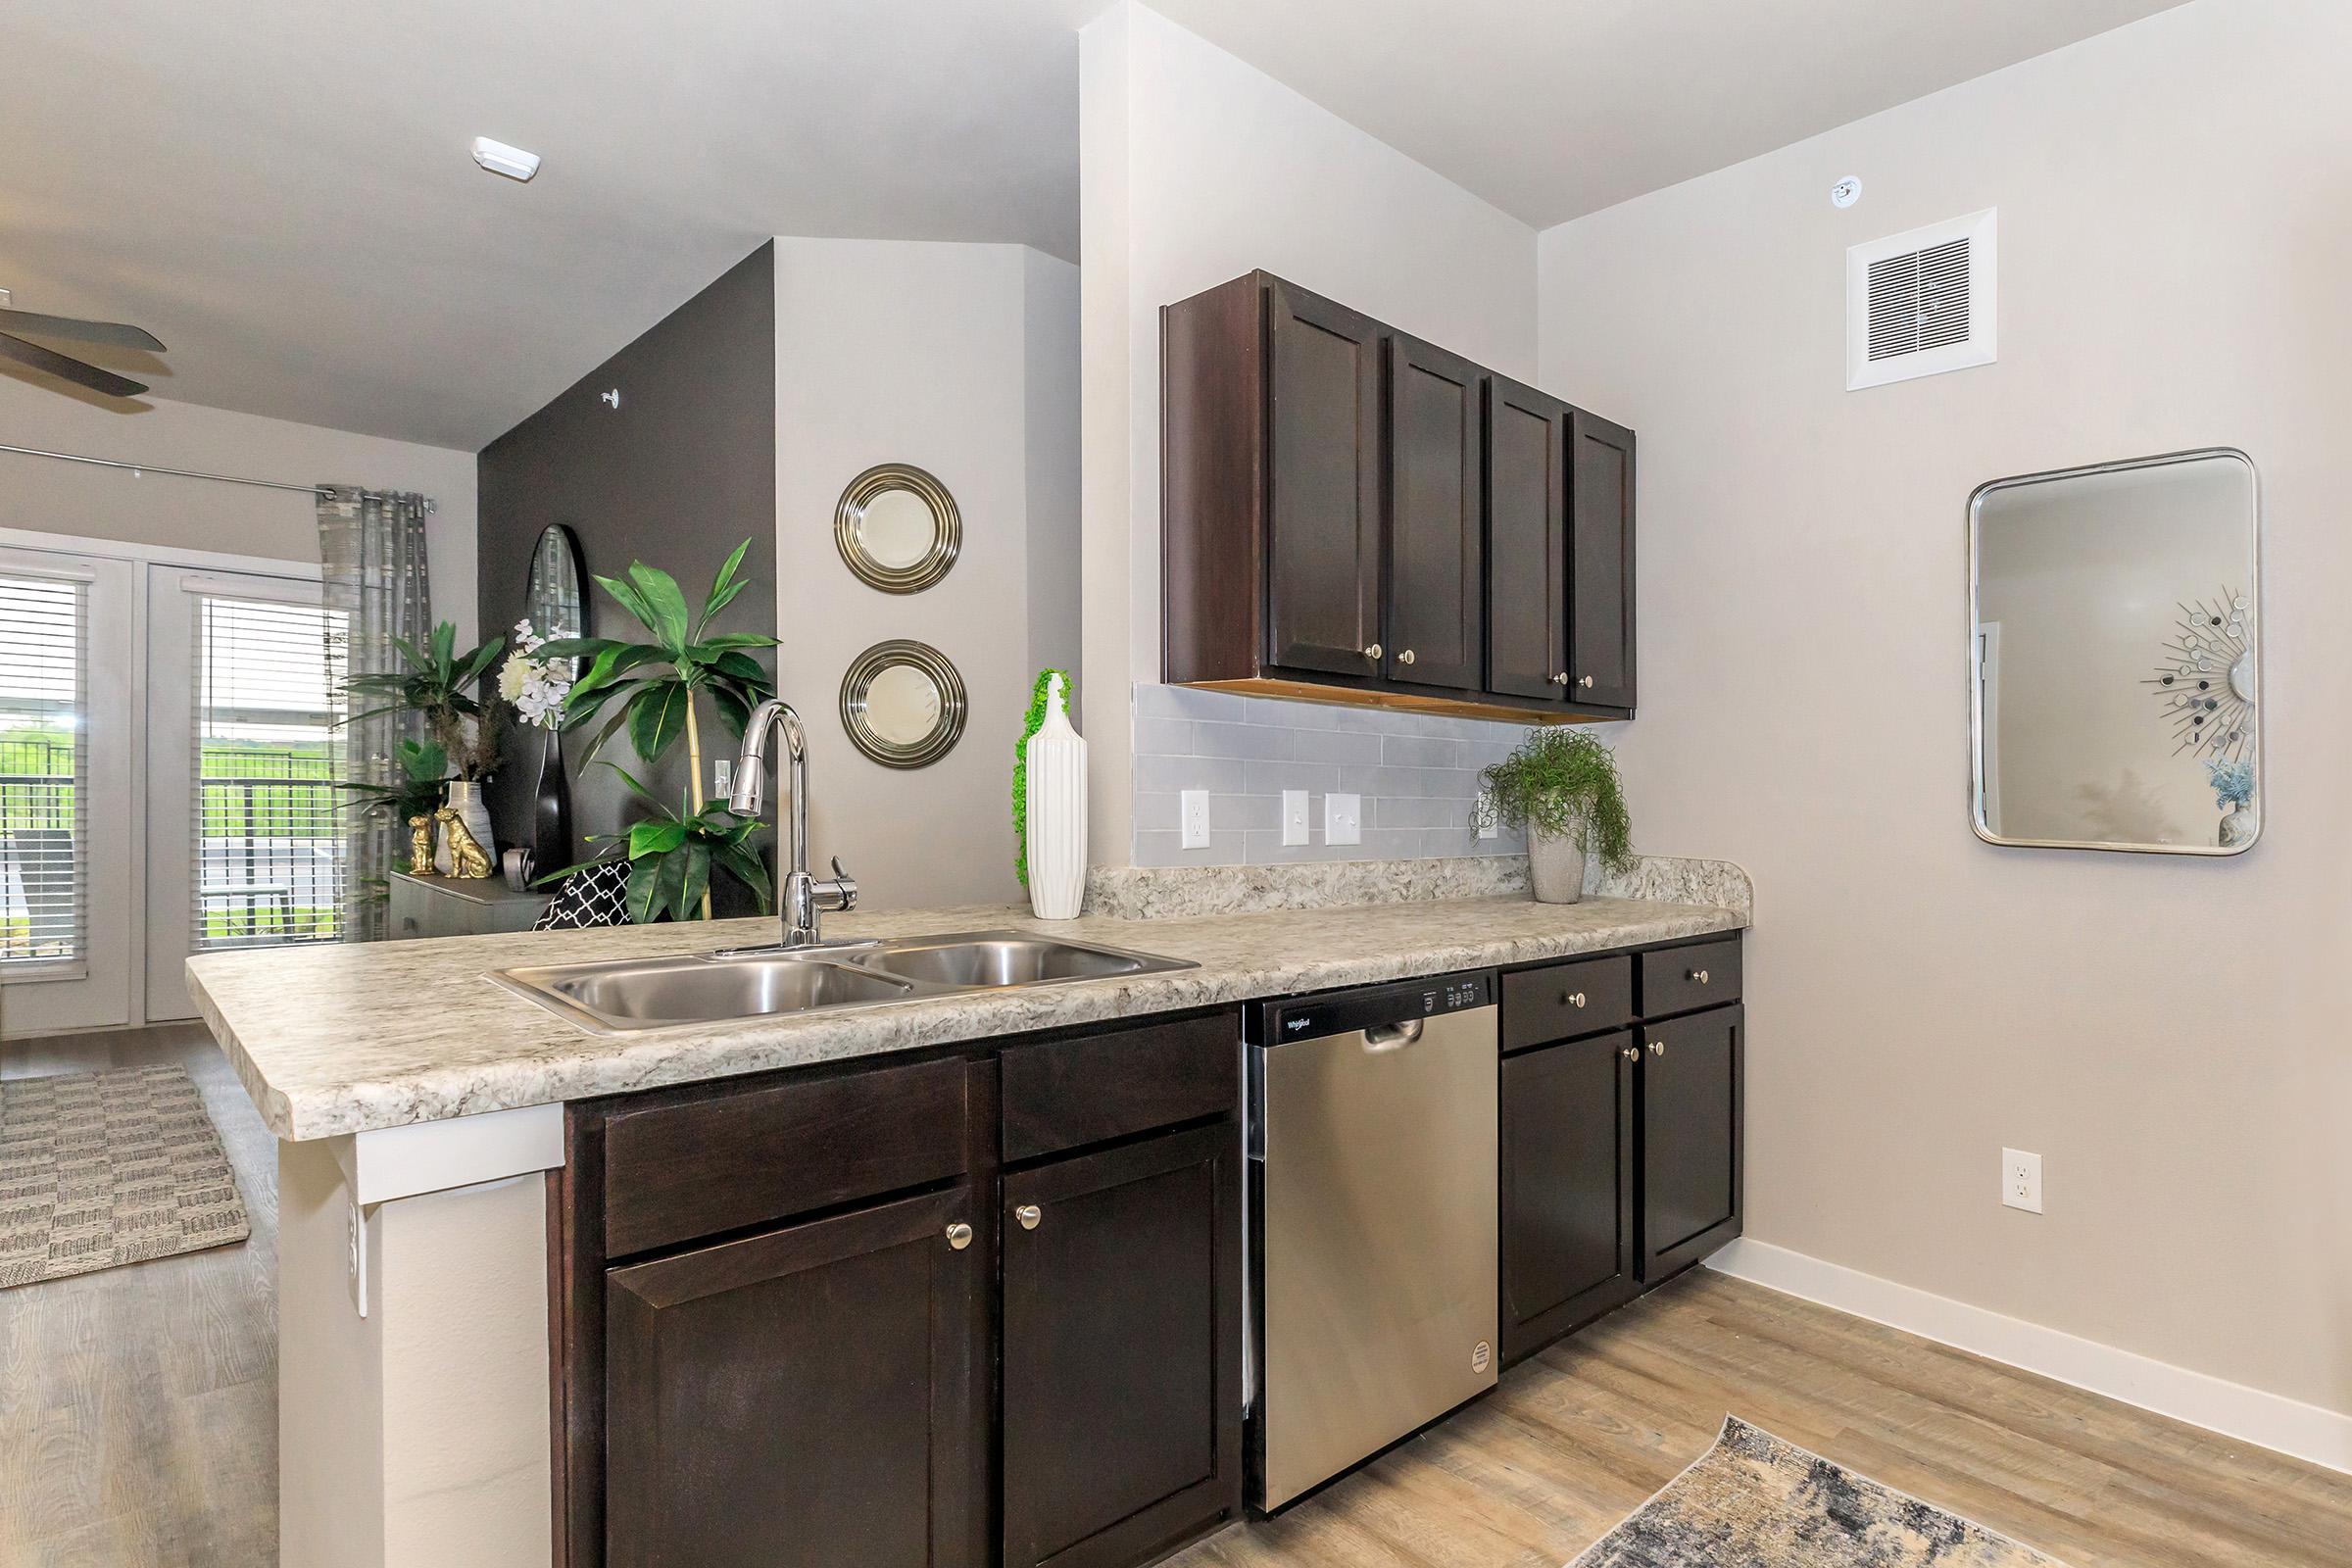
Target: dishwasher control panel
{"x": 1345, "y": 1011}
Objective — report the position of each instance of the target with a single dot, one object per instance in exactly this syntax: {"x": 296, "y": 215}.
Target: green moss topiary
{"x": 1563, "y": 781}
{"x": 1021, "y": 763}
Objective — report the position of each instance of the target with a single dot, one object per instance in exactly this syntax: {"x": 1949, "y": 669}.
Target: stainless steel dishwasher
{"x": 1373, "y": 1217}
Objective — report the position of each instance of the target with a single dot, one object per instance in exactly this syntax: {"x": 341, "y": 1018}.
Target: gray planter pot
{"x": 1556, "y": 867}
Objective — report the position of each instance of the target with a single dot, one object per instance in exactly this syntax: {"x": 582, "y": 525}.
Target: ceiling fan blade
{"x": 119, "y": 334}
{"x": 57, "y": 365}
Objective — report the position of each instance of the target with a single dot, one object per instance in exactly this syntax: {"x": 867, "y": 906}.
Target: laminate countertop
{"x": 337, "y": 1040}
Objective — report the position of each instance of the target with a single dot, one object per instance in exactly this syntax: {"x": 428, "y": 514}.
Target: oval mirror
{"x": 903, "y": 703}
{"x": 897, "y": 528}
{"x": 552, "y": 601}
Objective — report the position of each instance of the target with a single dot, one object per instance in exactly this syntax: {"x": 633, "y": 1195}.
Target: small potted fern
{"x": 1562, "y": 786}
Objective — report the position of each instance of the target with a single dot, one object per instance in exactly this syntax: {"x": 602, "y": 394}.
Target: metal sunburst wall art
{"x": 2204, "y": 688}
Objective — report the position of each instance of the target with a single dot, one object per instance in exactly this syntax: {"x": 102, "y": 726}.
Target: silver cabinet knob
{"x": 1561, "y": 679}
{"x": 1586, "y": 681}
{"x": 1572, "y": 998}
{"x": 1406, "y": 658}
{"x": 1372, "y": 650}
{"x": 1028, "y": 1214}
{"x": 960, "y": 1236}
{"x": 1630, "y": 1053}
{"x": 1699, "y": 975}
{"x": 1657, "y": 1048}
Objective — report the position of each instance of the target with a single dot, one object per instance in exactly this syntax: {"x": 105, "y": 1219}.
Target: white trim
{"x": 431, "y": 1157}
{"x": 1982, "y": 230}
{"x": 161, "y": 555}
{"x": 2271, "y": 1420}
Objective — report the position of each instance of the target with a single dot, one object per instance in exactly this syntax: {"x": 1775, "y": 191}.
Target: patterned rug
{"x": 1756, "y": 1501}
{"x": 108, "y": 1167}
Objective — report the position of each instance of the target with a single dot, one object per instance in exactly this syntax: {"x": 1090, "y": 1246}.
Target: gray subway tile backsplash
{"x": 1417, "y": 774}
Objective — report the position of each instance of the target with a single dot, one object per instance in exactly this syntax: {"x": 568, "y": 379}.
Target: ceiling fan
{"x": 115, "y": 335}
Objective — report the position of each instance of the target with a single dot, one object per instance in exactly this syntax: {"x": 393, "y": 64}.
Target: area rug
{"x": 103, "y": 1168}
{"x": 1756, "y": 1501}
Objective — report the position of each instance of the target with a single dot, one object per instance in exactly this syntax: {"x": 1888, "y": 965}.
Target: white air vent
{"x": 1921, "y": 303}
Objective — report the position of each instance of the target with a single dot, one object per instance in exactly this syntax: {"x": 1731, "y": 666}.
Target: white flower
{"x": 526, "y": 640}
{"x": 514, "y": 676}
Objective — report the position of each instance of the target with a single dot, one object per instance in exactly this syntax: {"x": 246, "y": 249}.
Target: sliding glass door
{"x": 67, "y": 724}
{"x": 245, "y": 820}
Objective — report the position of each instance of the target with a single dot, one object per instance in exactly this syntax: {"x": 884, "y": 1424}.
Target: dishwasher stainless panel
{"x": 1374, "y": 1158}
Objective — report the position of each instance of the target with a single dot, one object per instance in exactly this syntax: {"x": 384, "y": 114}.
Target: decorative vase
{"x": 2238, "y": 827}
{"x": 465, "y": 799}
{"x": 1555, "y": 867}
{"x": 1056, "y": 835}
{"x": 551, "y": 808}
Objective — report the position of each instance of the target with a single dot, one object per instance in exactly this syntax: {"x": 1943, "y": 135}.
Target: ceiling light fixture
{"x": 500, "y": 159}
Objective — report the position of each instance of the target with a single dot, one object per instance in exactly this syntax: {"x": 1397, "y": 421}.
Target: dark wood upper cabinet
{"x": 1325, "y": 526}
{"x": 1122, "y": 1354}
{"x": 1435, "y": 625}
{"x": 1567, "y": 1187}
{"x": 1527, "y": 535}
{"x": 814, "y": 1395}
{"x": 1691, "y": 1132}
{"x": 1600, "y": 616}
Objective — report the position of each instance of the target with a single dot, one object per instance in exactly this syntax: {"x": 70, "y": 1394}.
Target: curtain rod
{"x": 187, "y": 474}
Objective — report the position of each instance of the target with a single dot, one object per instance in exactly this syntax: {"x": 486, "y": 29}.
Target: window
{"x": 269, "y": 816}
{"x": 44, "y": 898}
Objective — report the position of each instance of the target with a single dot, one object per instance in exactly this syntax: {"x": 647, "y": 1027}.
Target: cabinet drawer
{"x": 1705, "y": 974}
{"x": 1561, "y": 1000}
{"x": 1064, "y": 1093}
{"x": 743, "y": 1157}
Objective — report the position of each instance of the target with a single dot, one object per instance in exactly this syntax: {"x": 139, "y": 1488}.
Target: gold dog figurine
{"x": 420, "y": 845}
{"x": 466, "y": 856}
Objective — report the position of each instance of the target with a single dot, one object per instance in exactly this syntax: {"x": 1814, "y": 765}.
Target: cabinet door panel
{"x": 1600, "y": 466}
{"x": 1122, "y": 1361}
{"x": 1436, "y": 588}
{"x": 1526, "y": 542}
{"x": 801, "y": 1398}
{"x": 1567, "y": 1187}
{"x": 1691, "y": 1095}
{"x": 1323, "y": 546}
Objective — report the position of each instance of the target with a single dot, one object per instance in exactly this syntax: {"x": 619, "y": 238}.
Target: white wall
{"x": 1194, "y": 168}
{"x": 45, "y": 496}
{"x": 961, "y": 360}
{"x": 2175, "y": 211}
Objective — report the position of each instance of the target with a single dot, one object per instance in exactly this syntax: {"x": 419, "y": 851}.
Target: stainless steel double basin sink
{"x": 626, "y": 995}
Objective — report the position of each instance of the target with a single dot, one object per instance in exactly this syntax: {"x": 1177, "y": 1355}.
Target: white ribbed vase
{"x": 1057, "y": 761}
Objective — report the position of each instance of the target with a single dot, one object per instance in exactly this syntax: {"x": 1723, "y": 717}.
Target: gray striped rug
{"x": 103, "y": 1168}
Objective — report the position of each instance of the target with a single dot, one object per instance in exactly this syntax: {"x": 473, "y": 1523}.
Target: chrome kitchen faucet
{"x": 804, "y": 899}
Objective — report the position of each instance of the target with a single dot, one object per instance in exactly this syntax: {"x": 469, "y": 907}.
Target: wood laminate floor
{"x": 138, "y": 1421}
{"x": 138, "y": 1405}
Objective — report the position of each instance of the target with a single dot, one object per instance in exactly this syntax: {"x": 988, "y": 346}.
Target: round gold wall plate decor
{"x": 897, "y": 528}
{"x": 903, "y": 703}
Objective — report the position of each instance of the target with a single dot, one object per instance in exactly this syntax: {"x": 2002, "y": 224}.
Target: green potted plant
{"x": 439, "y": 683}
{"x": 672, "y": 853}
{"x": 1562, "y": 786}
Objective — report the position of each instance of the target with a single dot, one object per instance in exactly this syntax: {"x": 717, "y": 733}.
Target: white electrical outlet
{"x": 1342, "y": 818}
{"x": 1294, "y": 816}
{"x": 2021, "y": 1180}
{"x": 1194, "y": 804}
{"x": 355, "y": 1255}
{"x": 1489, "y": 827}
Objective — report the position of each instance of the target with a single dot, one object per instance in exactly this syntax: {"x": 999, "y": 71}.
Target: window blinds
{"x": 268, "y": 820}
{"x": 44, "y": 901}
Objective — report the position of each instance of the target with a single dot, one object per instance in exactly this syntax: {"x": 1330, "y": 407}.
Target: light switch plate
{"x": 1294, "y": 816}
{"x": 1194, "y": 806}
{"x": 2021, "y": 1180}
{"x": 1342, "y": 818}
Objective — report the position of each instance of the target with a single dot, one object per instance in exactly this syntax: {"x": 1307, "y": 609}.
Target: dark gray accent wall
{"x": 675, "y": 477}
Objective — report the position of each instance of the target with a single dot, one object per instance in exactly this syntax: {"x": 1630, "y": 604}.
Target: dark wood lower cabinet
{"x": 1567, "y": 1187}
{"x": 808, "y": 1397}
{"x": 1691, "y": 1137}
{"x": 1121, "y": 1349}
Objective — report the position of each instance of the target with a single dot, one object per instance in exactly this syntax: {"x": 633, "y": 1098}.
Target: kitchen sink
{"x": 624, "y": 995}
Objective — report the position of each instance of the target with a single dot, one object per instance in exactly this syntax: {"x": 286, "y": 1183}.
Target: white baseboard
{"x": 2268, "y": 1420}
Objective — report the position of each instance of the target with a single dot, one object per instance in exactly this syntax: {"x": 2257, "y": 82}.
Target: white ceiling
{"x": 1552, "y": 108}
{"x": 281, "y": 190}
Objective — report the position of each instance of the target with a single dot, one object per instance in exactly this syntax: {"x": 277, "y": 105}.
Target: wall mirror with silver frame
{"x": 897, "y": 528}
{"x": 555, "y": 600}
{"x": 2114, "y": 661}
{"x": 903, "y": 703}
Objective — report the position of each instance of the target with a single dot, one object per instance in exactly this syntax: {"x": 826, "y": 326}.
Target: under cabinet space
{"x": 1690, "y": 1094}
{"x": 1567, "y": 1187}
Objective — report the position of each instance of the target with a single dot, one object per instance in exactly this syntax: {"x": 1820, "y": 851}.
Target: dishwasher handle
{"x": 1383, "y": 1038}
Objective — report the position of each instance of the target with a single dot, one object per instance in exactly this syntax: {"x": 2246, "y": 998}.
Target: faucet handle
{"x": 841, "y": 892}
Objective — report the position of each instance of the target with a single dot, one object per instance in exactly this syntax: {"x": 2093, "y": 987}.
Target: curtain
{"x": 372, "y": 547}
